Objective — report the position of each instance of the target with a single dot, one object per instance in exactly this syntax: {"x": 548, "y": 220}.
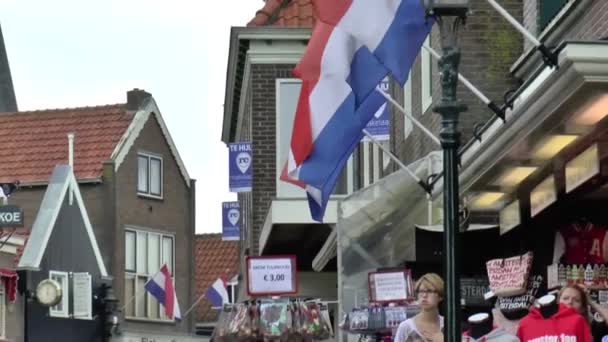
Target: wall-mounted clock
{"x": 48, "y": 292}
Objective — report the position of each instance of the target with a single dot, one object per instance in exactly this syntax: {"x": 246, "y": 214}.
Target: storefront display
{"x": 581, "y": 242}
{"x": 274, "y": 320}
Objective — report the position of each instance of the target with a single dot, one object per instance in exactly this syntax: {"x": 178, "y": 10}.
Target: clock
{"x": 48, "y": 292}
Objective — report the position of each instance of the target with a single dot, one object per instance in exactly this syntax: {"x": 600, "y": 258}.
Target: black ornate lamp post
{"x": 450, "y": 15}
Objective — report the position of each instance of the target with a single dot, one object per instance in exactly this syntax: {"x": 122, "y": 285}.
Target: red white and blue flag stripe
{"x": 217, "y": 293}
{"x": 161, "y": 287}
{"x": 354, "y": 45}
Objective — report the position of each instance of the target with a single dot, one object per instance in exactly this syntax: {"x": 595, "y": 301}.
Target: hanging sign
{"x": 542, "y": 196}
{"x": 582, "y": 168}
{"x": 82, "y": 293}
{"x": 231, "y": 218}
{"x": 380, "y": 125}
{"x": 11, "y": 216}
{"x": 271, "y": 275}
{"x": 509, "y": 217}
{"x": 240, "y": 166}
{"x": 390, "y": 286}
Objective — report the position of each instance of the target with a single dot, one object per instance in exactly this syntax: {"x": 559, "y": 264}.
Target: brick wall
{"x": 263, "y": 136}
{"x": 489, "y": 46}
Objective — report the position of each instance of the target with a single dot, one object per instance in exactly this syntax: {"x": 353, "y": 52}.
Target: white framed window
{"x": 149, "y": 175}
{"x": 426, "y": 76}
{"x": 408, "y": 126}
{"x": 145, "y": 253}
{"x": 287, "y": 94}
{"x": 62, "y": 308}
{"x": 2, "y": 314}
{"x": 232, "y": 288}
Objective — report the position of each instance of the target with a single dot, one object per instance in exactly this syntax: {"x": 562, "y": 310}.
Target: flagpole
{"x": 409, "y": 116}
{"x": 399, "y": 162}
{"x": 500, "y": 113}
{"x": 192, "y": 306}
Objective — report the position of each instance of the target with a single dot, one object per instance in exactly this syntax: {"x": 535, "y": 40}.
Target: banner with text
{"x": 380, "y": 125}
{"x": 273, "y": 275}
{"x": 239, "y": 166}
{"x": 231, "y": 221}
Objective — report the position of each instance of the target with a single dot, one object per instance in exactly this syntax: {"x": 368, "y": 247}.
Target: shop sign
{"x": 472, "y": 291}
{"x": 231, "y": 218}
{"x": 380, "y": 124}
{"x": 11, "y": 216}
{"x": 272, "y": 275}
{"x": 509, "y": 217}
{"x": 582, "y": 168}
{"x": 390, "y": 286}
{"x": 542, "y": 196}
{"x": 240, "y": 166}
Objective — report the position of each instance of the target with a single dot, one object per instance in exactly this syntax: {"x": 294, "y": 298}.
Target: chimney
{"x": 8, "y": 102}
{"x": 136, "y": 98}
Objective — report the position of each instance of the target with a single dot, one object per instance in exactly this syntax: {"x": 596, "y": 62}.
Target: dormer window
{"x": 149, "y": 175}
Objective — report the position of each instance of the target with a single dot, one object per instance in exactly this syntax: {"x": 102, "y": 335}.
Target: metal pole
{"x": 450, "y": 108}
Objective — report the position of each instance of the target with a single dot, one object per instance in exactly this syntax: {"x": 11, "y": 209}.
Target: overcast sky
{"x": 69, "y": 53}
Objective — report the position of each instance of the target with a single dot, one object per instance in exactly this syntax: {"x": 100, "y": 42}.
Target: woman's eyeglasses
{"x": 426, "y": 292}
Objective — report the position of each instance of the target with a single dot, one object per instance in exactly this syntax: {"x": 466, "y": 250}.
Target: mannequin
{"x": 480, "y": 325}
{"x": 548, "y": 305}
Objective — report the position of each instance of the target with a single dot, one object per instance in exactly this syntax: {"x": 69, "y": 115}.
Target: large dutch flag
{"x": 217, "y": 293}
{"x": 354, "y": 45}
{"x": 161, "y": 287}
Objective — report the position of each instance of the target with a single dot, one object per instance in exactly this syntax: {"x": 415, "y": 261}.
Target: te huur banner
{"x": 240, "y": 167}
{"x": 231, "y": 221}
{"x": 380, "y": 125}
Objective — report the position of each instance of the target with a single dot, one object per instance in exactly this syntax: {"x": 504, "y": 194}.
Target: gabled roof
{"x": 34, "y": 142}
{"x": 62, "y": 182}
{"x": 285, "y": 13}
{"x": 214, "y": 258}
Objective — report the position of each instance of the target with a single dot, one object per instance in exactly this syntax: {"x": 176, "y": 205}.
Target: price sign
{"x": 274, "y": 275}
{"x": 390, "y": 286}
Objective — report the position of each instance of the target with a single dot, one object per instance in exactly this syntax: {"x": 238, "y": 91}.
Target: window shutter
{"x": 547, "y": 11}
{"x": 82, "y": 292}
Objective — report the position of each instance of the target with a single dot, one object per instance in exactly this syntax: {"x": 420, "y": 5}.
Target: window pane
{"x": 153, "y": 253}
{"x": 141, "y": 298}
{"x": 142, "y": 174}
{"x": 129, "y": 293}
{"x": 341, "y": 187}
{"x": 154, "y": 312}
{"x": 287, "y": 100}
{"x": 548, "y": 10}
{"x": 130, "y": 251}
{"x": 168, "y": 252}
{"x": 142, "y": 253}
{"x": 155, "y": 176}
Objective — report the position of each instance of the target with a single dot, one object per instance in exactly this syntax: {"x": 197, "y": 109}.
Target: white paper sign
{"x": 389, "y": 286}
{"x": 271, "y": 276}
{"x": 83, "y": 296}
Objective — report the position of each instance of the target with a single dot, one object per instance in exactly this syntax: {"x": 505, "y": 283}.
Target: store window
{"x": 149, "y": 175}
{"x": 547, "y": 10}
{"x": 287, "y": 94}
{"x": 426, "y": 76}
{"x": 62, "y": 308}
{"x": 145, "y": 253}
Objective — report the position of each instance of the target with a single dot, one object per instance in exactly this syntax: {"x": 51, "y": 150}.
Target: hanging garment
{"x": 566, "y": 325}
{"x": 581, "y": 243}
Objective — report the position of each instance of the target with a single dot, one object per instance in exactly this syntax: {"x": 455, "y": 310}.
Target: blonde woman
{"x": 428, "y": 324}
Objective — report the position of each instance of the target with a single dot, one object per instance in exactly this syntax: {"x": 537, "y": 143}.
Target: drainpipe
{"x": 71, "y": 160}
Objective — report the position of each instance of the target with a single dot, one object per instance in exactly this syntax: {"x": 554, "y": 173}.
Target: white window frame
{"x": 64, "y": 282}
{"x": 231, "y": 287}
{"x": 426, "y": 77}
{"x": 2, "y": 313}
{"x": 149, "y": 193}
{"x": 408, "y": 125}
{"x": 283, "y": 186}
{"x": 134, "y": 275}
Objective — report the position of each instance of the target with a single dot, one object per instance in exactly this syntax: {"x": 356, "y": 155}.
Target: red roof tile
{"x": 34, "y": 142}
{"x": 214, "y": 258}
{"x": 285, "y": 13}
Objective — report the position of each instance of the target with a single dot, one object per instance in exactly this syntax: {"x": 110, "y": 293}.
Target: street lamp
{"x": 450, "y": 14}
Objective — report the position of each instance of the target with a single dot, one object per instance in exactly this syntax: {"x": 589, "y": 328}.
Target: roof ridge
{"x": 55, "y": 110}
